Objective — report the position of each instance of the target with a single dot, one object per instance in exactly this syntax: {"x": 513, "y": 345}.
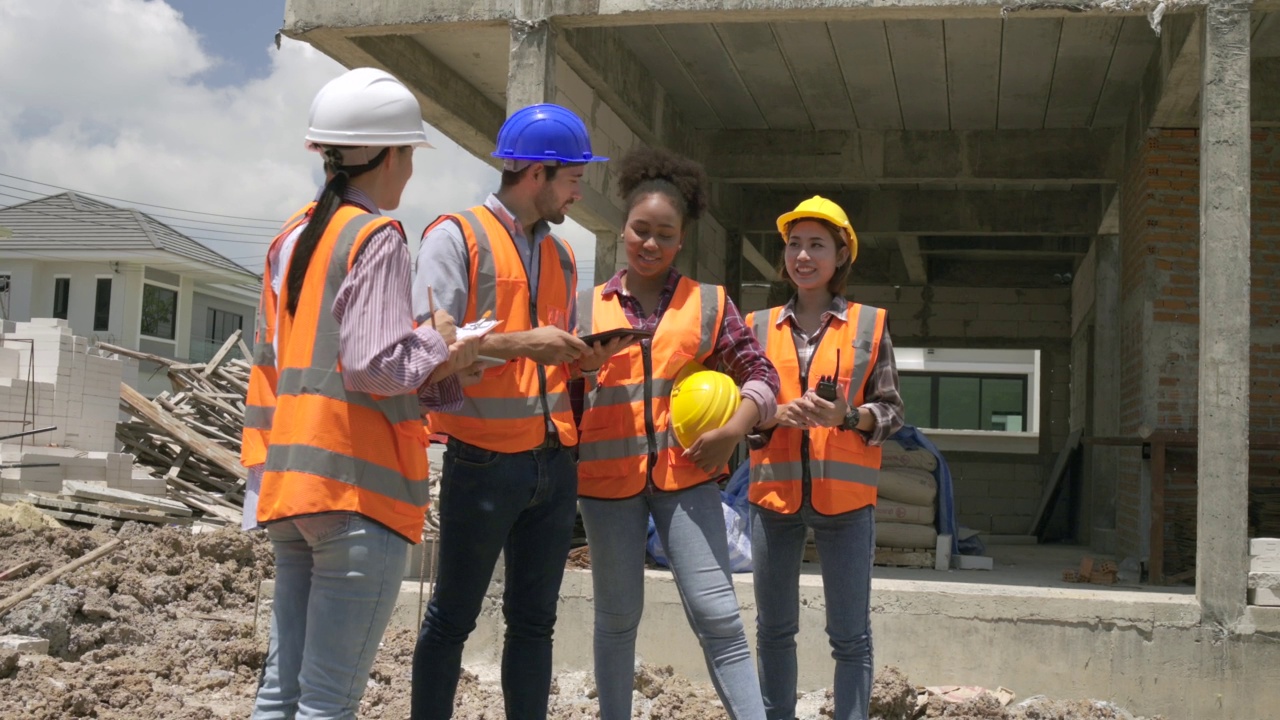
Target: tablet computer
{"x": 608, "y": 335}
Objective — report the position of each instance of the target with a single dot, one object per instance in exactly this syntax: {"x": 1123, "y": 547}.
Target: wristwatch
{"x": 851, "y": 419}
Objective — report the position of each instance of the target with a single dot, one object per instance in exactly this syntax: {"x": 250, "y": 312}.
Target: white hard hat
{"x": 365, "y": 107}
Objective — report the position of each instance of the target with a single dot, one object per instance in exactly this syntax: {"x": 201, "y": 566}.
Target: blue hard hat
{"x": 545, "y": 133}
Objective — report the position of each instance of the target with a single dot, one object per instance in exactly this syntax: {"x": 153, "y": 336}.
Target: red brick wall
{"x": 1160, "y": 265}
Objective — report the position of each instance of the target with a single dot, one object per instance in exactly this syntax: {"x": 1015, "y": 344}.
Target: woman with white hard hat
{"x": 816, "y": 466}
{"x": 334, "y": 438}
{"x": 657, "y": 432}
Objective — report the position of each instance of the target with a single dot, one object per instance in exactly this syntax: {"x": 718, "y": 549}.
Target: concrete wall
{"x": 1160, "y": 317}
{"x": 998, "y": 480}
{"x": 1144, "y": 651}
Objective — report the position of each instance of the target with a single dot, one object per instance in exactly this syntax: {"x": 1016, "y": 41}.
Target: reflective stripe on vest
{"x": 505, "y": 412}
{"x": 260, "y": 398}
{"x": 844, "y": 470}
{"x": 615, "y": 453}
{"x": 335, "y": 449}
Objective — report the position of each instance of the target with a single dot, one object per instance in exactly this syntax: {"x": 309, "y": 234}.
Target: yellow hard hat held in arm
{"x": 700, "y": 401}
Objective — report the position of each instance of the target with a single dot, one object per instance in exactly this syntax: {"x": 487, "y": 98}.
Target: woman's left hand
{"x": 713, "y": 450}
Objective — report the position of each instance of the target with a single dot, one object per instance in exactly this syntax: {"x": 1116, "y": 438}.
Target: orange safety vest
{"x": 334, "y": 449}
{"x": 260, "y": 400}
{"x": 509, "y": 409}
{"x": 626, "y": 426}
{"x": 844, "y": 470}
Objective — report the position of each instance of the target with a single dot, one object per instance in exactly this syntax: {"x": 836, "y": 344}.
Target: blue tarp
{"x": 737, "y": 526}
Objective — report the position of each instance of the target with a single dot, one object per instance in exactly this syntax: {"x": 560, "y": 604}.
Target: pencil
{"x": 431, "y": 306}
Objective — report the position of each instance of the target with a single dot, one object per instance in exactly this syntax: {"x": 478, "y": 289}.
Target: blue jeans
{"x": 690, "y": 524}
{"x": 524, "y": 506}
{"x": 846, "y": 546}
{"x": 337, "y": 579}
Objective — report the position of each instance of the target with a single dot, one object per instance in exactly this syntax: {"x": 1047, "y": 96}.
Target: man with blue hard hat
{"x": 509, "y": 482}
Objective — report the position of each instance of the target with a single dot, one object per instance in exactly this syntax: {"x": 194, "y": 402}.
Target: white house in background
{"x": 118, "y": 275}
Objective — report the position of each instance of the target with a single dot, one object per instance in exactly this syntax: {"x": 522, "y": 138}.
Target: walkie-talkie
{"x": 827, "y": 388}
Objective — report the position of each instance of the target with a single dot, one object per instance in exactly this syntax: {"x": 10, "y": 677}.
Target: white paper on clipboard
{"x": 479, "y": 328}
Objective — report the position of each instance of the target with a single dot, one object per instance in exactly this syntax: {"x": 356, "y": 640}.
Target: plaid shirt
{"x": 737, "y": 349}
{"x": 881, "y": 398}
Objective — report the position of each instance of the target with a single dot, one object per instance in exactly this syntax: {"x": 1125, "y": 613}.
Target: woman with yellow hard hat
{"x": 657, "y": 431}
{"x": 817, "y": 466}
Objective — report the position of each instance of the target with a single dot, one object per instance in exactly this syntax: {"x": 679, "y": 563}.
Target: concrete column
{"x": 1105, "y": 403}
{"x": 182, "y": 326}
{"x": 531, "y": 67}
{"x": 1223, "y": 452}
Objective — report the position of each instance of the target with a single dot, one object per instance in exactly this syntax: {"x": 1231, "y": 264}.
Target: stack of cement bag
{"x": 908, "y": 499}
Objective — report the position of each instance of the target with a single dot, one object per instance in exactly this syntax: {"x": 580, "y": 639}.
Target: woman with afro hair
{"x": 630, "y": 464}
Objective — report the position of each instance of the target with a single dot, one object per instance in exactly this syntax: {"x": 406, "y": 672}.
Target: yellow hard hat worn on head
{"x": 820, "y": 208}
{"x": 705, "y": 400}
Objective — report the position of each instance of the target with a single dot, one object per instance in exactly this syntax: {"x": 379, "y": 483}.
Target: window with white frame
{"x": 159, "y": 312}
{"x": 969, "y": 389}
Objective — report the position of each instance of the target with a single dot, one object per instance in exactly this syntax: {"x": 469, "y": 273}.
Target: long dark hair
{"x": 330, "y": 200}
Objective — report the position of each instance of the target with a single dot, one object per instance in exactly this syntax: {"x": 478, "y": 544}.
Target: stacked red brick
{"x": 1160, "y": 250}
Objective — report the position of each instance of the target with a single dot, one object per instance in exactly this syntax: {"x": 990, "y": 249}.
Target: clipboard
{"x": 608, "y": 335}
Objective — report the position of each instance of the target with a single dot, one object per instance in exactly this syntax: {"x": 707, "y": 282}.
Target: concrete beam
{"x": 1223, "y": 450}
{"x": 946, "y": 212}
{"x": 1035, "y": 247}
{"x": 531, "y": 65}
{"x": 1171, "y": 85}
{"x": 618, "y": 77}
{"x": 914, "y": 156}
{"x": 381, "y": 17}
{"x": 449, "y": 103}
{"x": 753, "y": 256}
{"x": 1019, "y": 273}
{"x": 917, "y": 272}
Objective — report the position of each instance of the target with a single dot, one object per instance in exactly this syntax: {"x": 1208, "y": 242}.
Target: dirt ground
{"x": 162, "y": 629}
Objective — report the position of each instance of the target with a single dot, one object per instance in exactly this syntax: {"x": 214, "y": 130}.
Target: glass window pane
{"x": 102, "y": 306}
{"x": 1004, "y": 404}
{"x": 958, "y": 401}
{"x": 159, "y": 311}
{"x": 917, "y": 399}
{"x": 61, "y": 297}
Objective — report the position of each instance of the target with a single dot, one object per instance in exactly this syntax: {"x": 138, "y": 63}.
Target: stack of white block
{"x": 76, "y": 389}
{"x": 1264, "y": 572}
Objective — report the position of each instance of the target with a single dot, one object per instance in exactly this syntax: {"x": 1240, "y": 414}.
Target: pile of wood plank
{"x": 87, "y": 503}
{"x": 191, "y": 435}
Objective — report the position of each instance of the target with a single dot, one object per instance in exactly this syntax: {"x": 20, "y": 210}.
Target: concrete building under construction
{"x": 1091, "y": 185}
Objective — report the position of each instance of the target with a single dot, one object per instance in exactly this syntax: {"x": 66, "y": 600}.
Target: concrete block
{"x": 24, "y": 644}
{"x": 942, "y": 553}
{"x": 1265, "y": 597}
{"x": 972, "y": 562}
{"x": 1264, "y": 564}
{"x": 1268, "y": 547}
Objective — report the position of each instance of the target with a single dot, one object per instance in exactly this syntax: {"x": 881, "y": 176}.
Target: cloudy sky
{"x": 187, "y": 106}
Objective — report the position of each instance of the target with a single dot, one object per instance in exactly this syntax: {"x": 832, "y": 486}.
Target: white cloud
{"x": 103, "y": 96}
